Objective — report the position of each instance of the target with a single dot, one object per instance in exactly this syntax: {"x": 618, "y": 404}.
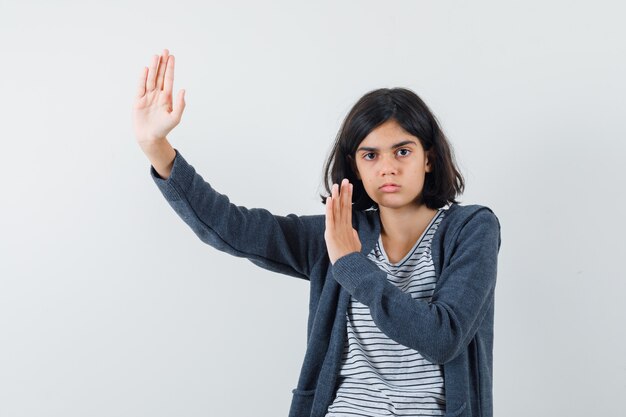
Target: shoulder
{"x": 472, "y": 219}
{"x": 475, "y": 213}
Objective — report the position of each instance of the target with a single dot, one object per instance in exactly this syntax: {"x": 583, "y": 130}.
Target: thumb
{"x": 180, "y": 105}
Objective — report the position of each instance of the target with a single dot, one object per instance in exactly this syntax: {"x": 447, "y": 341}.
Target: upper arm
{"x": 468, "y": 279}
{"x": 288, "y": 244}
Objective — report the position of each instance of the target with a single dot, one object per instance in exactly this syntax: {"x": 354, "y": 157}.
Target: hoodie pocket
{"x": 301, "y": 403}
{"x": 458, "y": 412}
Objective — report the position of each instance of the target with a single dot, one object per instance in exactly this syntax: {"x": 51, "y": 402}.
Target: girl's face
{"x": 392, "y": 165}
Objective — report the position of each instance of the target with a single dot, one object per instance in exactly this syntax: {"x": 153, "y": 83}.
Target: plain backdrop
{"x": 111, "y": 306}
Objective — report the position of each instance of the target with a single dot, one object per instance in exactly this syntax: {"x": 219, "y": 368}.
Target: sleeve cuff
{"x": 354, "y": 272}
{"x": 178, "y": 182}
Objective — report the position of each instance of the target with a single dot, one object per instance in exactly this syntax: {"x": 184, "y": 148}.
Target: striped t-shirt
{"x": 378, "y": 376}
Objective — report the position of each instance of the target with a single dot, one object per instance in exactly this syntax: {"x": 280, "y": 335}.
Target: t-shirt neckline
{"x": 415, "y": 246}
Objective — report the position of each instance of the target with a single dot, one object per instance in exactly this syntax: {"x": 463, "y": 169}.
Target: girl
{"x": 402, "y": 277}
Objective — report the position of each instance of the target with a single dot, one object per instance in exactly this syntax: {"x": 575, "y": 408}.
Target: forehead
{"x": 387, "y": 134}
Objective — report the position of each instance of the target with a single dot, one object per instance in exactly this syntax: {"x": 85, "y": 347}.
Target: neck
{"x": 405, "y": 224}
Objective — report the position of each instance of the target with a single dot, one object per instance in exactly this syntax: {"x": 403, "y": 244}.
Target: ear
{"x": 353, "y": 166}
{"x": 429, "y": 165}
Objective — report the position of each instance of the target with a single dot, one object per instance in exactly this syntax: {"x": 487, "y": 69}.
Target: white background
{"x": 111, "y": 306}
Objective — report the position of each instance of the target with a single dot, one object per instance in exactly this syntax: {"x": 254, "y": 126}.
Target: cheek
{"x": 371, "y": 190}
{"x": 357, "y": 169}
{"x": 368, "y": 182}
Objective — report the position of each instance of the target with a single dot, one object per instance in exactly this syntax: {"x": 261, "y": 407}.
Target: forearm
{"x": 161, "y": 155}
{"x": 441, "y": 327}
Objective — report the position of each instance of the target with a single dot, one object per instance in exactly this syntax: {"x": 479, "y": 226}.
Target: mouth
{"x": 389, "y": 188}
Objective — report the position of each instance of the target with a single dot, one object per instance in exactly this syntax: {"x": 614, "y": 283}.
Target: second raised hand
{"x": 341, "y": 238}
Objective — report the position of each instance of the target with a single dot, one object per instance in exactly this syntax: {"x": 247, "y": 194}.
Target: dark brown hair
{"x": 441, "y": 186}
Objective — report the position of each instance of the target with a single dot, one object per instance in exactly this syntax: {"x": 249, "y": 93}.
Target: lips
{"x": 389, "y": 187}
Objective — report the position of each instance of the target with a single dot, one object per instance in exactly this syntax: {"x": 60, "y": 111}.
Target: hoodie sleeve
{"x": 285, "y": 244}
{"x": 440, "y": 328}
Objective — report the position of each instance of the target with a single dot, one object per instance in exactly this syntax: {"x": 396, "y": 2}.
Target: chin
{"x": 396, "y": 202}
{"x": 393, "y": 204}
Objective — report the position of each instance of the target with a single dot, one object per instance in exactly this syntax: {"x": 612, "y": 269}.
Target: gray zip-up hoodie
{"x": 455, "y": 328}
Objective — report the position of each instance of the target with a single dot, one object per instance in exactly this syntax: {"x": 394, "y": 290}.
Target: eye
{"x": 406, "y": 152}
{"x": 365, "y": 156}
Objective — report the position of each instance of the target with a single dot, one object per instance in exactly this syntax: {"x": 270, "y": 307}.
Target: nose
{"x": 388, "y": 166}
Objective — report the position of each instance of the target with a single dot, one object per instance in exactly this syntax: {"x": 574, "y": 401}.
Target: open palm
{"x": 154, "y": 114}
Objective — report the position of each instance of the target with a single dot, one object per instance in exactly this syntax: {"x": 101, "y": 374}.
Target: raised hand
{"x": 154, "y": 115}
{"x": 341, "y": 238}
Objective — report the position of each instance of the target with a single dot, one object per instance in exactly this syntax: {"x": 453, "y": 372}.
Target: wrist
{"x": 161, "y": 155}
{"x": 153, "y": 144}
{"x": 343, "y": 255}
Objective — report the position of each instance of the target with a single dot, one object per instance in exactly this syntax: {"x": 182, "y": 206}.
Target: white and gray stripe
{"x": 378, "y": 376}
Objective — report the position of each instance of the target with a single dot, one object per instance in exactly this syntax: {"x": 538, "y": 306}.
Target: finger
{"x": 348, "y": 202}
{"x": 141, "y": 86}
{"x": 345, "y": 203}
{"x": 169, "y": 76}
{"x": 161, "y": 73}
{"x": 336, "y": 203}
{"x": 350, "y": 208}
{"x": 179, "y": 106}
{"x": 329, "y": 213}
{"x": 152, "y": 73}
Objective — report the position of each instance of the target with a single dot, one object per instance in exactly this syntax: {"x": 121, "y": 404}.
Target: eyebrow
{"x": 397, "y": 145}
